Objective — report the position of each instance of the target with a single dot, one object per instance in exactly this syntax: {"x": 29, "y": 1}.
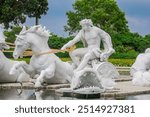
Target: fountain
{"x": 90, "y": 75}
{"x": 92, "y": 72}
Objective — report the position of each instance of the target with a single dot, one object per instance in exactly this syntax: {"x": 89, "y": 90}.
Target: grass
{"x": 122, "y": 62}
{"x": 22, "y": 59}
{"x": 117, "y": 62}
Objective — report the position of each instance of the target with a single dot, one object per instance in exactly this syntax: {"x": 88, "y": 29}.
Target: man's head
{"x": 86, "y": 24}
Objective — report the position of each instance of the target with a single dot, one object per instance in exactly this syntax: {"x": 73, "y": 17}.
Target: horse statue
{"x": 6, "y": 65}
{"x": 44, "y": 67}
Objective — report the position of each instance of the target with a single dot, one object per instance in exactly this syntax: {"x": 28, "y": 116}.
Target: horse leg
{"x": 40, "y": 79}
{"x": 22, "y": 65}
{"x": 46, "y": 74}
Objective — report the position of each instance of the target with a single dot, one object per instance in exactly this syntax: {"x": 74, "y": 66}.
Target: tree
{"x": 11, "y": 35}
{"x": 35, "y": 8}
{"x": 11, "y": 12}
{"x": 14, "y": 12}
{"x": 104, "y": 13}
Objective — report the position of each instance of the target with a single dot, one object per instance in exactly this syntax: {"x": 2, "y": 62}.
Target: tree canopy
{"x": 35, "y": 8}
{"x": 104, "y": 13}
{"x": 14, "y": 12}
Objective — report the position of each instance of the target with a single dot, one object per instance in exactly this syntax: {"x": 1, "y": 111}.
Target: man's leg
{"x": 84, "y": 61}
{"x": 77, "y": 54}
{"x": 91, "y": 54}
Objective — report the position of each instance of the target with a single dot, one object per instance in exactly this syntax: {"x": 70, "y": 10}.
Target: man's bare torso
{"x": 92, "y": 38}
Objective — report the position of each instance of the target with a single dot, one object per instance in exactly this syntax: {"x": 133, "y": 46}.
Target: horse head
{"x": 28, "y": 38}
{"x": 21, "y": 44}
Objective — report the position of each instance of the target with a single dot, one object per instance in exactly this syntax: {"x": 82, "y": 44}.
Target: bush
{"x": 23, "y": 59}
{"x": 11, "y": 35}
{"x": 127, "y": 45}
{"x": 122, "y": 62}
{"x": 117, "y": 62}
{"x": 128, "y": 55}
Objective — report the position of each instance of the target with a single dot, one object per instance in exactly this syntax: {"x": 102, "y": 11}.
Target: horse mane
{"x": 38, "y": 29}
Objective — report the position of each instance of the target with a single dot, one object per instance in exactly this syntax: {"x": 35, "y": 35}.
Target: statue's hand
{"x": 64, "y": 47}
{"x": 104, "y": 56}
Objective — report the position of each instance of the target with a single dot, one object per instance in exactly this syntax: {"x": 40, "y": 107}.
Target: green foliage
{"x": 122, "y": 62}
{"x": 56, "y": 42}
{"x": 11, "y": 35}
{"x": 11, "y": 11}
{"x": 127, "y": 45}
{"x": 143, "y": 43}
{"x": 23, "y": 59}
{"x": 14, "y": 12}
{"x": 36, "y": 8}
{"x": 128, "y": 42}
{"x": 124, "y": 42}
{"x": 104, "y": 13}
{"x": 127, "y": 55}
{"x": 117, "y": 62}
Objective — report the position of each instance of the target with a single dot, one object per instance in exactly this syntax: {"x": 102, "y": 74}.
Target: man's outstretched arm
{"x": 73, "y": 42}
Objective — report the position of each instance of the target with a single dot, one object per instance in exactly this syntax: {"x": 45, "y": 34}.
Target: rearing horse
{"x": 46, "y": 68}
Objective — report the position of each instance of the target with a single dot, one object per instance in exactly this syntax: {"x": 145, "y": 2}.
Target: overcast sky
{"x": 137, "y": 14}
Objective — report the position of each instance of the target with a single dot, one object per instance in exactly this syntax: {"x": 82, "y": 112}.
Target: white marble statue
{"x": 140, "y": 70}
{"x": 6, "y": 65}
{"x": 45, "y": 68}
{"x": 91, "y": 36}
{"x": 90, "y": 61}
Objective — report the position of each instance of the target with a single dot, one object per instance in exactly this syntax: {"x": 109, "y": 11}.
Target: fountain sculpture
{"x": 45, "y": 68}
{"x": 90, "y": 70}
{"x": 140, "y": 70}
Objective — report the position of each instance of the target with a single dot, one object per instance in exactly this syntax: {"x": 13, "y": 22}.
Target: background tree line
{"x": 127, "y": 45}
{"x": 104, "y": 13}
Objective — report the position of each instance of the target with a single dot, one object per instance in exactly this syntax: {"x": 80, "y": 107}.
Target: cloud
{"x": 138, "y": 8}
{"x": 137, "y": 21}
{"x": 140, "y": 25}
{"x": 134, "y": 2}
{"x": 56, "y": 18}
{"x": 137, "y": 13}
